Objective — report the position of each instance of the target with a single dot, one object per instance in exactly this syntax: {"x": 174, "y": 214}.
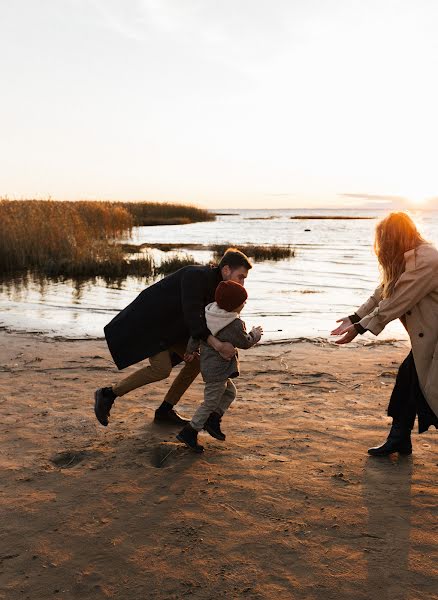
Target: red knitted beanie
{"x": 230, "y": 295}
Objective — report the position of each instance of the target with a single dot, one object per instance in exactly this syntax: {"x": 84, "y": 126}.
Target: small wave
{"x": 318, "y": 341}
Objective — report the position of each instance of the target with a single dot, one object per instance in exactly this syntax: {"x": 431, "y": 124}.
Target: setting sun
{"x": 418, "y": 201}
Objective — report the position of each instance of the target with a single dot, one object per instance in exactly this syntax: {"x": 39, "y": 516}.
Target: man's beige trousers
{"x": 160, "y": 368}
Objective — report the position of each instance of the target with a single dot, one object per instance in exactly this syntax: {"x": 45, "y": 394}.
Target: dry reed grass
{"x": 49, "y": 235}
{"x": 172, "y": 264}
{"x": 76, "y": 239}
{"x": 257, "y": 252}
{"x": 158, "y": 213}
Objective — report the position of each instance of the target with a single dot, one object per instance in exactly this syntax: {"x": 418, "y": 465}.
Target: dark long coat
{"x": 167, "y": 312}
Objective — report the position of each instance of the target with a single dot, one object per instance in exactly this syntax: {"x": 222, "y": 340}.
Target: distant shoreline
{"x": 331, "y": 217}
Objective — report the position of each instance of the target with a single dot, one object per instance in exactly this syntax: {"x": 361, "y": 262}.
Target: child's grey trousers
{"x": 218, "y": 395}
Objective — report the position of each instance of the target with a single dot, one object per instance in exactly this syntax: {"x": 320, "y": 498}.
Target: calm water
{"x": 333, "y": 272}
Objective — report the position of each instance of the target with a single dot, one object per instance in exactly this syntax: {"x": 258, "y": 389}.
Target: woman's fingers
{"x": 348, "y": 337}
{"x": 345, "y": 324}
{"x": 339, "y": 330}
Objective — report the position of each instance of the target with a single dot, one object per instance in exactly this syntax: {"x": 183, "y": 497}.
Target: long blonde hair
{"x": 395, "y": 235}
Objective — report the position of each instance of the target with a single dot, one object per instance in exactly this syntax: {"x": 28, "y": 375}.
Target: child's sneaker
{"x": 189, "y": 437}
{"x": 213, "y": 426}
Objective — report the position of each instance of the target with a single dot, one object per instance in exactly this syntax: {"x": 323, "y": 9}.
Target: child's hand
{"x": 256, "y": 333}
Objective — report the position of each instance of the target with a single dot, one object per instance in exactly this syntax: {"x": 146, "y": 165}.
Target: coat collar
{"x": 410, "y": 259}
{"x": 218, "y": 274}
{"x": 411, "y": 255}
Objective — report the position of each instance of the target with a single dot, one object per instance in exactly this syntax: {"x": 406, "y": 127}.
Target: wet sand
{"x": 289, "y": 507}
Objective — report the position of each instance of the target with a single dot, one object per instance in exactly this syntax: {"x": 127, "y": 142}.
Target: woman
{"x": 409, "y": 292}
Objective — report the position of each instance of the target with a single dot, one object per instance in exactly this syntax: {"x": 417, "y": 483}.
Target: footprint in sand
{"x": 66, "y": 460}
{"x": 164, "y": 452}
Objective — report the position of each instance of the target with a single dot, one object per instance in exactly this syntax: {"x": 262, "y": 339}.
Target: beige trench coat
{"x": 415, "y": 302}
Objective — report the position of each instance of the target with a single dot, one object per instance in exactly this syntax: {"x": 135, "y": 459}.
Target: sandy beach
{"x": 289, "y": 507}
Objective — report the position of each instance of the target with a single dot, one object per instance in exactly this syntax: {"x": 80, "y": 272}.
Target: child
{"x": 223, "y": 320}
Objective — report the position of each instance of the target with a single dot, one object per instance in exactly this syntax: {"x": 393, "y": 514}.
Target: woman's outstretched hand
{"x": 350, "y": 334}
{"x": 345, "y": 323}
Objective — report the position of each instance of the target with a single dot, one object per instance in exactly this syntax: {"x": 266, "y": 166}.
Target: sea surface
{"x": 334, "y": 270}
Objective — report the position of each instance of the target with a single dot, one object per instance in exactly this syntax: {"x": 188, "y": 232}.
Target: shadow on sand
{"x": 387, "y": 496}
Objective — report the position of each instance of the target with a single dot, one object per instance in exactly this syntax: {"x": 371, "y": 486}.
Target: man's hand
{"x": 343, "y": 327}
{"x": 350, "y": 334}
{"x": 190, "y": 356}
{"x": 225, "y": 349}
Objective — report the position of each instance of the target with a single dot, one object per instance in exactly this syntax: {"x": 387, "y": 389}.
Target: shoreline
{"x": 318, "y": 341}
{"x": 289, "y": 506}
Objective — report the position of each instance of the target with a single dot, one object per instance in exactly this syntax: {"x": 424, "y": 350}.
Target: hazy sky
{"x": 223, "y": 103}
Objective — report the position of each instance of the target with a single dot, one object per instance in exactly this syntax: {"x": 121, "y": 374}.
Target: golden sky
{"x": 237, "y": 103}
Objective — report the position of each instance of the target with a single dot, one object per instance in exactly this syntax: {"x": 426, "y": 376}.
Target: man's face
{"x": 238, "y": 274}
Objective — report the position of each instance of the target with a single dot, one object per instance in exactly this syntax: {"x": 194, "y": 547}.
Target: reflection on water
{"x": 333, "y": 272}
{"x": 71, "y": 308}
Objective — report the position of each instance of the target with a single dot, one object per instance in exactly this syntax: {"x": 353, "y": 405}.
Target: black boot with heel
{"x": 398, "y": 440}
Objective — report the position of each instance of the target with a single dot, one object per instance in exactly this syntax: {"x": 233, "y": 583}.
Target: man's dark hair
{"x": 234, "y": 259}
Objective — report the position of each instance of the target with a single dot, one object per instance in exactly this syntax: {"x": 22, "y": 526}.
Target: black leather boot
{"x": 398, "y": 440}
{"x": 103, "y": 401}
{"x": 167, "y": 414}
{"x": 189, "y": 437}
{"x": 213, "y": 426}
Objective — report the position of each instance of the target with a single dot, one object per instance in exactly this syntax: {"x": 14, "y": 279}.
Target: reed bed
{"x": 81, "y": 239}
{"x": 164, "y": 247}
{"x": 158, "y": 213}
{"x": 111, "y": 264}
{"x": 77, "y": 239}
{"x": 172, "y": 264}
{"x": 257, "y": 252}
{"x": 49, "y": 235}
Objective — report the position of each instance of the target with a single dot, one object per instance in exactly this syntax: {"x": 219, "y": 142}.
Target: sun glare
{"x": 417, "y": 186}
{"x": 418, "y": 201}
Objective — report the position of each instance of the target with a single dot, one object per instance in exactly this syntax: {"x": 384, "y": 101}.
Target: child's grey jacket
{"x": 213, "y": 366}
